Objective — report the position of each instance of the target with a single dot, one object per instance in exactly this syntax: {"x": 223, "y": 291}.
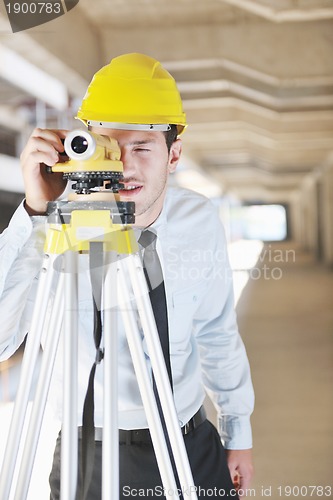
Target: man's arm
{"x": 21, "y": 249}
{"x": 225, "y": 366}
{"x": 21, "y": 244}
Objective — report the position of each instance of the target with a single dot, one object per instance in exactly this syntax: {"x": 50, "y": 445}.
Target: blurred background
{"x": 256, "y": 78}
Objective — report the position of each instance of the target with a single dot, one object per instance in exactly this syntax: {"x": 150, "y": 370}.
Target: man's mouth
{"x": 130, "y": 189}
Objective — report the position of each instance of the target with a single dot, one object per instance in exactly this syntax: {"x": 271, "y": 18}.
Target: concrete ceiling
{"x": 256, "y": 77}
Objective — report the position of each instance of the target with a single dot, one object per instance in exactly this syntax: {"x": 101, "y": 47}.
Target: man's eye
{"x": 142, "y": 150}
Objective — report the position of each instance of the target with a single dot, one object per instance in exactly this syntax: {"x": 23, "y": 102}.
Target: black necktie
{"x": 154, "y": 277}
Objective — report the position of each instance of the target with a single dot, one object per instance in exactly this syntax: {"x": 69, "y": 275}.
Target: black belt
{"x": 143, "y": 435}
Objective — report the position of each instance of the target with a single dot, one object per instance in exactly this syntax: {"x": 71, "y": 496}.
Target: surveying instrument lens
{"x": 79, "y": 144}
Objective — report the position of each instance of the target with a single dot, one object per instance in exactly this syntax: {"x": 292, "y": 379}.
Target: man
{"x": 135, "y": 100}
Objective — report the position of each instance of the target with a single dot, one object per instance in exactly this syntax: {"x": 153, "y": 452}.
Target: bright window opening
{"x": 259, "y": 222}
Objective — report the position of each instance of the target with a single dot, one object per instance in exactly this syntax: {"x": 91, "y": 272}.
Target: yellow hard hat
{"x": 133, "y": 92}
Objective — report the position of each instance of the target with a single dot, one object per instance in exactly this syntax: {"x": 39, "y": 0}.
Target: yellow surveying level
{"x": 92, "y": 160}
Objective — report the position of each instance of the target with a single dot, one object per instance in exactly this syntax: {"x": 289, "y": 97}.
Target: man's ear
{"x": 174, "y": 155}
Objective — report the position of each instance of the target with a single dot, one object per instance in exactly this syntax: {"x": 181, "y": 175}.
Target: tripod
{"x": 101, "y": 230}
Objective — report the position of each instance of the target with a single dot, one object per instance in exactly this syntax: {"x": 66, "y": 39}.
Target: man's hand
{"x": 42, "y": 148}
{"x": 240, "y": 464}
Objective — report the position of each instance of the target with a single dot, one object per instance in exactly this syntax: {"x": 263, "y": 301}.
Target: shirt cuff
{"x": 235, "y": 432}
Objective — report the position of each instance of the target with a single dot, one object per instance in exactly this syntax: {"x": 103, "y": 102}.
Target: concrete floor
{"x": 286, "y": 320}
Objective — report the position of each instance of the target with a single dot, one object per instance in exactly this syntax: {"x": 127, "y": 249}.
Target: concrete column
{"x": 316, "y": 212}
{"x": 295, "y": 219}
{"x": 326, "y": 213}
{"x": 309, "y": 214}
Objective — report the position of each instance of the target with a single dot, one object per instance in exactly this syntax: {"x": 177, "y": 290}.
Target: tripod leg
{"x": 110, "y": 471}
{"x": 160, "y": 374}
{"x": 146, "y": 390}
{"x": 38, "y": 409}
{"x": 69, "y": 433}
{"x": 27, "y": 371}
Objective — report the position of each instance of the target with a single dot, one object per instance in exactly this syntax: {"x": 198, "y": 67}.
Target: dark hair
{"x": 171, "y": 136}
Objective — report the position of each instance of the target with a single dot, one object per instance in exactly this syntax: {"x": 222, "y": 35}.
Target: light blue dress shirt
{"x": 206, "y": 350}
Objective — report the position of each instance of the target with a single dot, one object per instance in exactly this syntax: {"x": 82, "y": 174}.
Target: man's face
{"x": 147, "y": 165}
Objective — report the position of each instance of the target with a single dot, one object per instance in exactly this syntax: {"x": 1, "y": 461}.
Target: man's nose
{"x": 128, "y": 162}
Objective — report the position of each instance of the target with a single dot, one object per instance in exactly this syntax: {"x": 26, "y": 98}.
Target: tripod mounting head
{"x": 92, "y": 161}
